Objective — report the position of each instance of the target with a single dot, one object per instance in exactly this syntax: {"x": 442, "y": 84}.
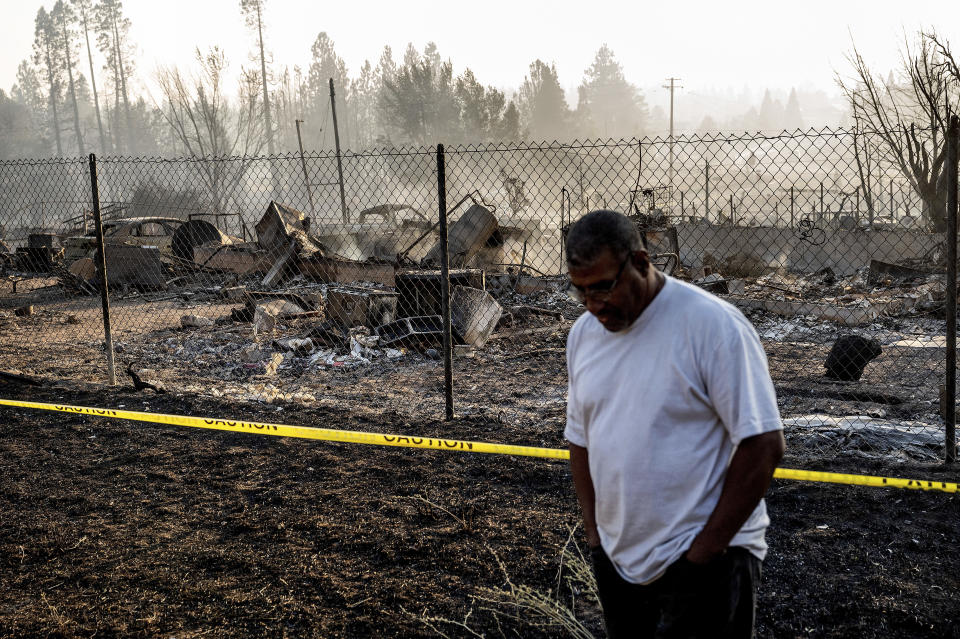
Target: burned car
{"x": 136, "y": 231}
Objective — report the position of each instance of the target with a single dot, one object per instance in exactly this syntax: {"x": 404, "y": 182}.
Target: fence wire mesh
{"x": 277, "y": 280}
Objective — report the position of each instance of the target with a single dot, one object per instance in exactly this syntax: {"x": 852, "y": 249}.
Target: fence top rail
{"x": 477, "y": 147}
{"x": 45, "y": 161}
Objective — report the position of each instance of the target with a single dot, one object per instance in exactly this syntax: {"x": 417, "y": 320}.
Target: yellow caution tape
{"x": 283, "y": 430}
{"x": 866, "y": 480}
{"x": 436, "y": 443}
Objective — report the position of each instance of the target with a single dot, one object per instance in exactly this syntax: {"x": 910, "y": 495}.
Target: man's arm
{"x": 583, "y": 484}
{"x": 748, "y": 477}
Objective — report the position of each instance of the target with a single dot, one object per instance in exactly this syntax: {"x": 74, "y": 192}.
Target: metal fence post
{"x": 791, "y": 207}
{"x": 893, "y": 209}
{"x": 820, "y": 217}
{"x": 856, "y": 215}
{"x": 445, "y": 284}
{"x": 950, "y": 390}
{"x": 706, "y": 195}
{"x": 563, "y": 200}
{"x": 102, "y": 271}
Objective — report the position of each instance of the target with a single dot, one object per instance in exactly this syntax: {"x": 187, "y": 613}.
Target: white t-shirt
{"x": 660, "y": 407}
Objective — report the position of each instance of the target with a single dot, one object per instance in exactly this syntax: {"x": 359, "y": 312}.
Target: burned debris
{"x": 849, "y": 355}
{"x": 139, "y": 384}
{"x": 303, "y": 310}
{"x": 297, "y": 298}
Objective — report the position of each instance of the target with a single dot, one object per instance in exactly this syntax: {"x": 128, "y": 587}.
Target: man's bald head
{"x": 600, "y": 231}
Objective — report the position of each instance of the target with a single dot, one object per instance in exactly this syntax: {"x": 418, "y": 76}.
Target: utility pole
{"x": 306, "y": 176}
{"x": 336, "y": 139}
{"x": 672, "y": 86}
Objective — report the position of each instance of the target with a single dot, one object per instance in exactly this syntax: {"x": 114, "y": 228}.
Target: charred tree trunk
{"x": 114, "y": 114}
{"x": 123, "y": 84}
{"x": 266, "y": 92}
{"x": 67, "y": 56}
{"x": 93, "y": 83}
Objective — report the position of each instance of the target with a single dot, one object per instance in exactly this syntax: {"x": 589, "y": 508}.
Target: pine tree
{"x": 364, "y": 95}
{"x": 708, "y": 125}
{"x": 83, "y": 9}
{"x": 508, "y": 129}
{"x": 29, "y": 91}
{"x": 386, "y": 66}
{"x": 771, "y": 113}
{"x": 113, "y": 40}
{"x": 420, "y": 104}
{"x": 792, "y": 118}
{"x": 482, "y": 110}
{"x": 384, "y": 73}
{"x": 44, "y": 55}
{"x": 609, "y": 106}
{"x": 326, "y": 64}
{"x": 64, "y": 19}
{"x": 751, "y": 120}
{"x": 18, "y": 134}
{"x": 543, "y": 104}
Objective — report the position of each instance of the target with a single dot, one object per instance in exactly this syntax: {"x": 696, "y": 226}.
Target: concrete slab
{"x": 846, "y": 315}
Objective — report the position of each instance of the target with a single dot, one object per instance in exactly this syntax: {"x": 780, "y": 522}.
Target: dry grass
{"x": 521, "y": 605}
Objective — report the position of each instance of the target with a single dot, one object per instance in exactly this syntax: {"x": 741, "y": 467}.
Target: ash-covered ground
{"x": 133, "y": 529}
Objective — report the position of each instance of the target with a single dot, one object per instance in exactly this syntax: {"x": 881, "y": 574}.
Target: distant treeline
{"x": 78, "y": 93}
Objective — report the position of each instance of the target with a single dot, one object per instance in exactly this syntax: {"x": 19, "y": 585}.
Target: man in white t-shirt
{"x": 674, "y": 435}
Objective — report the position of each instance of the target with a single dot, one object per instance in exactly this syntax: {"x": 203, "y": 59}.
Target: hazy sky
{"x": 706, "y": 44}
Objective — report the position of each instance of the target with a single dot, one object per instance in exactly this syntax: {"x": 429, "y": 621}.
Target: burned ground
{"x": 116, "y": 528}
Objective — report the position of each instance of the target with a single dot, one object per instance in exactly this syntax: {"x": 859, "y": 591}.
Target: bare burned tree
{"x": 865, "y": 154}
{"x": 206, "y": 125}
{"x": 943, "y": 48}
{"x": 909, "y": 117}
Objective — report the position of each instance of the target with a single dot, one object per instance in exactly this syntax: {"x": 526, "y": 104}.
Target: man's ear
{"x": 641, "y": 261}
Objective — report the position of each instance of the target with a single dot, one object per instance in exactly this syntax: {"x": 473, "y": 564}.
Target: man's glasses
{"x": 599, "y": 291}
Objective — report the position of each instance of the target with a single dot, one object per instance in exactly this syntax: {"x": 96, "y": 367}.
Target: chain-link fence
{"x": 317, "y": 279}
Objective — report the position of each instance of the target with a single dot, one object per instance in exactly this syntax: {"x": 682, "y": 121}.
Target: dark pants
{"x": 714, "y": 600}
